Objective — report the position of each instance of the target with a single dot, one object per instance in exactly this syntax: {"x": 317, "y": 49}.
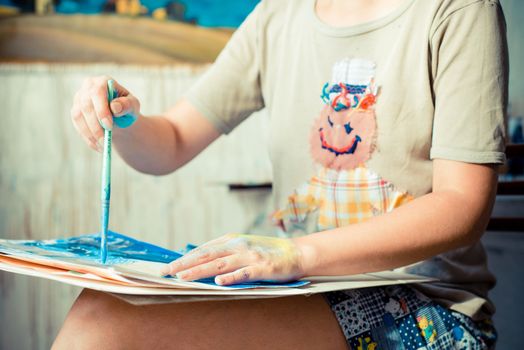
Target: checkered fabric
{"x": 399, "y": 317}
{"x": 341, "y": 198}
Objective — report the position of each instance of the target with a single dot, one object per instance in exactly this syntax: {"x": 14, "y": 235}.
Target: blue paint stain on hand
{"x": 124, "y": 121}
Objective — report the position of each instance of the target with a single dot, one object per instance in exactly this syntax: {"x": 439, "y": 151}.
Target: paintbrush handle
{"x": 105, "y": 193}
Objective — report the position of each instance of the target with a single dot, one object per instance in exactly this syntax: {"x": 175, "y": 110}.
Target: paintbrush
{"x": 105, "y": 193}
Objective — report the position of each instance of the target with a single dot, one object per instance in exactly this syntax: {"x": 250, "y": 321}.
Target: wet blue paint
{"x": 265, "y": 284}
{"x": 123, "y": 249}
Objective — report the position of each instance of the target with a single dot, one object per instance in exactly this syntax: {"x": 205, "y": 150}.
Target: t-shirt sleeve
{"x": 470, "y": 70}
{"x": 229, "y": 91}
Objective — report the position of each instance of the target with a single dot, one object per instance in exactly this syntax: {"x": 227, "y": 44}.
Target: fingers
{"x": 238, "y": 259}
{"x": 81, "y": 127}
{"x": 101, "y": 108}
{"x": 206, "y": 253}
{"x": 125, "y": 105}
{"x": 122, "y": 91}
{"x": 91, "y": 119}
{"x": 216, "y": 267}
{"x": 243, "y": 275}
{"x": 90, "y": 108}
{"x": 194, "y": 258}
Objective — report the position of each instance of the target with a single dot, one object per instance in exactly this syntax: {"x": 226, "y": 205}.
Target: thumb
{"x": 125, "y": 105}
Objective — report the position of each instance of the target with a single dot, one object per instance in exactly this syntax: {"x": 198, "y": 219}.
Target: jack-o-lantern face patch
{"x": 343, "y": 135}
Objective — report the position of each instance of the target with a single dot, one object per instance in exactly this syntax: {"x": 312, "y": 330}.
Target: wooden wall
{"x": 49, "y": 183}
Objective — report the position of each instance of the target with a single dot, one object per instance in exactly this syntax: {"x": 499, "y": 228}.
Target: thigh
{"x": 99, "y": 320}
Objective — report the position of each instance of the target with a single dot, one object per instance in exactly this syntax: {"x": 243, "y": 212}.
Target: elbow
{"x": 471, "y": 237}
{"x": 473, "y": 221}
{"x": 154, "y": 169}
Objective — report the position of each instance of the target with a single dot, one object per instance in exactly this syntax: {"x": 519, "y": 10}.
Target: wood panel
{"x": 49, "y": 183}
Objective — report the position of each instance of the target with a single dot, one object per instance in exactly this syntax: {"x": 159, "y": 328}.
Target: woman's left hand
{"x": 238, "y": 258}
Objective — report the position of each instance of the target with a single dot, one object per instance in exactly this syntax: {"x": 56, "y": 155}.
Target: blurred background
{"x": 49, "y": 180}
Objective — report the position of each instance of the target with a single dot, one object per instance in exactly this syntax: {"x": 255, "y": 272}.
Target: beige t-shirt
{"x": 358, "y": 113}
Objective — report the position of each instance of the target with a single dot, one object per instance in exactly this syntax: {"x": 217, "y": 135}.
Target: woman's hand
{"x": 91, "y": 107}
{"x": 236, "y": 258}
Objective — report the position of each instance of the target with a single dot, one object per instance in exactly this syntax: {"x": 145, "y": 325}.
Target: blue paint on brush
{"x": 105, "y": 193}
{"x": 121, "y": 122}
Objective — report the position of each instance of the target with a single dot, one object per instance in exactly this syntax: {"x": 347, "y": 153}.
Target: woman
{"x": 393, "y": 167}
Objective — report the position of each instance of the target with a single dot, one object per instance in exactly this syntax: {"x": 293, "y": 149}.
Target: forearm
{"x": 161, "y": 144}
{"x": 427, "y": 226}
{"x": 149, "y": 145}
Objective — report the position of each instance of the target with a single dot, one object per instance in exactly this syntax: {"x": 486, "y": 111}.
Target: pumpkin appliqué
{"x": 343, "y": 137}
{"x": 344, "y": 191}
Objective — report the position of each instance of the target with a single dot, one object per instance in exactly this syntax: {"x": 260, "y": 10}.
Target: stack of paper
{"x": 133, "y": 267}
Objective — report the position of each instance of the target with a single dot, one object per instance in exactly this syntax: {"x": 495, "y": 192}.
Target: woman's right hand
{"x": 91, "y": 107}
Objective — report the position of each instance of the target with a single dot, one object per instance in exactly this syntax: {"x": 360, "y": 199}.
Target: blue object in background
{"x": 21, "y": 5}
{"x": 207, "y": 13}
{"x": 88, "y": 7}
{"x": 215, "y": 13}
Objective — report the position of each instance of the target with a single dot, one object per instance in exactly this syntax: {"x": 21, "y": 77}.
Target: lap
{"x": 99, "y": 320}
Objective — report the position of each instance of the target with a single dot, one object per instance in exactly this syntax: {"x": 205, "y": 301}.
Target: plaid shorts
{"x": 399, "y": 317}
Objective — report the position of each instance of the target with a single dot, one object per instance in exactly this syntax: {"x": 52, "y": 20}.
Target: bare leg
{"x": 100, "y": 321}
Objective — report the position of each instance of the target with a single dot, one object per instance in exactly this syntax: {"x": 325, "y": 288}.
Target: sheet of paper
{"x": 338, "y": 283}
{"x": 134, "y": 269}
{"x": 127, "y": 257}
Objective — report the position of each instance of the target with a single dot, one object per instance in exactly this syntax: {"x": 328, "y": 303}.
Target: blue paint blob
{"x": 123, "y": 249}
{"x": 124, "y": 121}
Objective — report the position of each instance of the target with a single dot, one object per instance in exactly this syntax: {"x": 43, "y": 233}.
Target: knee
{"x": 88, "y": 323}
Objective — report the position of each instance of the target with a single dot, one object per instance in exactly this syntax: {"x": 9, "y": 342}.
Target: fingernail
{"x": 116, "y": 107}
{"x": 106, "y": 124}
{"x": 181, "y": 276}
